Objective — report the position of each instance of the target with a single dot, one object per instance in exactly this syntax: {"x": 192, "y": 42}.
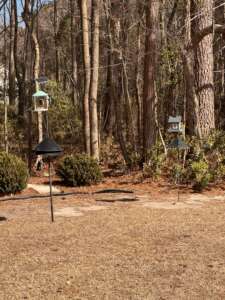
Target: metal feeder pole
{"x": 50, "y": 185}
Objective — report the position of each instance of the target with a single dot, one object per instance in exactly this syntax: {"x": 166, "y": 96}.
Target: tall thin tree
{"x": 94, "y": 80}
{"x": 150, "y": 61}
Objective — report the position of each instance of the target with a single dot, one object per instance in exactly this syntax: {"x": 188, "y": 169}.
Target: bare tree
{"x": 6, "y": 142}
{"x": 29, "y": 18}
{"x": 74, "y": 77}
{"x": 149, "y": 93}
{"x": 57, "y": 73}
{"x": 12, "y": 75}
{"x": 87, "y": 64}
{"x": 94, "y": 80}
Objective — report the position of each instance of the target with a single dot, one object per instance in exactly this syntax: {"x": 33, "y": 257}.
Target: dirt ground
{"x": 150, "y": 248}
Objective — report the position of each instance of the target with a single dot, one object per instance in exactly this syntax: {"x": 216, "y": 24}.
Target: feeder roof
{"x": 42, "y": 79}
{"x": 48, "y": 147}
{"x": 176, "y": 119}
{"x": 178, "y": 144}
{"x": 40, "y": 94}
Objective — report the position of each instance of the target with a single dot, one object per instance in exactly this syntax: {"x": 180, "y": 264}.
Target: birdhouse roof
{"x": 40, "y": 94}
{"x": 176, "y": 119}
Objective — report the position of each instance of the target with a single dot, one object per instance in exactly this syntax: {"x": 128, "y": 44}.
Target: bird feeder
{"x": 49, "y": 149}
{"x": 175, "y": 125}
{"x": 40, "y": 101}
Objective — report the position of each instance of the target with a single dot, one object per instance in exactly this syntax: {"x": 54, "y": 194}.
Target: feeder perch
{"x": 175, "y": 124}
{"x": 40, "y": 101}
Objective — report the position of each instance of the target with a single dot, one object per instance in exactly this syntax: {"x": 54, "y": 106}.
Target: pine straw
{"x": 124, "y": 252}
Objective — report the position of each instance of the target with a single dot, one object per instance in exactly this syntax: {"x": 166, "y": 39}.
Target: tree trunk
{"x": 20, "y": 72}
{"x": 94, "y": 80}
{"x": 192, "y": 105}
{"x": 12, "y": 75}
{"x": 108, "y": 116}
{"x": 74, "y": 94}
{"x": 149, "y": 99}
{"x": 118, "y": 86}
{"x": 4, "y": 84}
{"x": 204, "y": 67}
{"x": 29, "y": 18}
{"x": 57, "y": 74}
{"x": 138, "y": 89}
{"x": 86, "y": 59}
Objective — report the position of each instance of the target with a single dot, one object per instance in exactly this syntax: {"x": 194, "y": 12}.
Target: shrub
{"x": 218, "y": 173}
{"x": 13, "y": 173}
{"x": 79, "y": 170}
{"x": 177, "y": 173}
{"x": 200, "y": 175}
{"x": 153, "y": 168}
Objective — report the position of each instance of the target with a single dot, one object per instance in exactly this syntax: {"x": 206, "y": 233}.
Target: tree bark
{"x": 108, "y": 116}
{"x": 94, "y": 80}
{"x": 6, "y": 142}
{"x": 192, "y": 104}
{"x": 86, "y": 62}
{"x": 12, "y": 75}
{"x": 28, "y": 17}
{"x": 204, "y": 67}
{"x": 74, "y": 93}
{"x": 149, "y": 99}
{"x": 57, "y": 73}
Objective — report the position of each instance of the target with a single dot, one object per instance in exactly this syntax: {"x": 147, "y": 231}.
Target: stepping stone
{"x": 199, "y": 197}
{"x": 92, "y": 208}
{"x": 166, "y": 205}
{"x": 43, "y": 188}
{"x": 218, "y": 197}
{"x": 68, "y": 212}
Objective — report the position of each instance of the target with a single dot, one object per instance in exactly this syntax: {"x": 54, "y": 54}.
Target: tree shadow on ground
{"x": 3, "y": 219}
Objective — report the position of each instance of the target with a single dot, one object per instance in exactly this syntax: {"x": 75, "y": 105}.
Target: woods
{"x": 123, "y": 67}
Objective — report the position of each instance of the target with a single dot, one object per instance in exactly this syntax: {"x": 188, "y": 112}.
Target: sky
{"x": 20, "y": 4}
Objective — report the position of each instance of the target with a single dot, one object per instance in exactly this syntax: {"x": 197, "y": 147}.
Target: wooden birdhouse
{"x": 40, "y": 101}
{"x": 175, "y": 125}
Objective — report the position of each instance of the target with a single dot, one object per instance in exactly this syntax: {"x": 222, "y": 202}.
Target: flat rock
{"x": 166, "y": 205}
{"x": 92, "y": 208}
{"x": 68, "y": 212}
{"x": 43, "y": 188}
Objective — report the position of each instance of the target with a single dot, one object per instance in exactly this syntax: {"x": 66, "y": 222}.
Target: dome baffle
{"x": 48, "y": 147}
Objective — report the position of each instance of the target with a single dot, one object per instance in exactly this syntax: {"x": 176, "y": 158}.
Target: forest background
{"x": 117, "y": 70}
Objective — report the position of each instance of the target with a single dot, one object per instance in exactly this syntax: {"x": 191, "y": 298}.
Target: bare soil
{"x": 139, "y": 249}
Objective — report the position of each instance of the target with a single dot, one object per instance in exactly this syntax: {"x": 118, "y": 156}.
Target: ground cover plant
{"x": 202, "y": 164}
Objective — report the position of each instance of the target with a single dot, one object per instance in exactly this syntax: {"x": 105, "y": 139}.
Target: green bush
{"x": 13, "y": 173}
{"x": 79, "y": 170}
{"x": 218, "y": 173}
{"x": 177, "y": 174}
{"x": 200, "y": 175}
{"x": 153, "y": 169}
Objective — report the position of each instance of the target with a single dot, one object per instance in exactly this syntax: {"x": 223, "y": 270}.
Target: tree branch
{"x": 199, "y": 36}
